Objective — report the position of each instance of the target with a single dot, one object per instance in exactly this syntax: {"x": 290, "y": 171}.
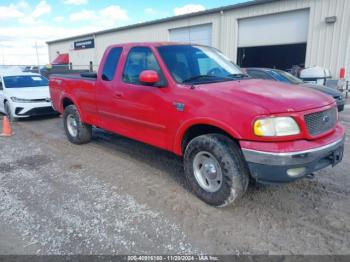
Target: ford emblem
{"x": 325, "y": 119}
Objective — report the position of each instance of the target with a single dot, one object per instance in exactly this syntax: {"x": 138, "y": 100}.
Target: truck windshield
{"x": 190, "y": 64}
{"x": 25, "y": 81}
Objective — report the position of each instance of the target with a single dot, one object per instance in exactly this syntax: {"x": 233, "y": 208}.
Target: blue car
{"x": 282, "y": 76}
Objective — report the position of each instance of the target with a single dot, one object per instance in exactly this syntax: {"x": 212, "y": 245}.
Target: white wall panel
{"x": 199, "y": 34}
{"x": 347, "y": 61}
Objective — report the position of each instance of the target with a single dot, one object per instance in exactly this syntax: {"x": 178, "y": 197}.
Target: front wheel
{"x": 215, "y": 169}
{"x": 76, "y": 131}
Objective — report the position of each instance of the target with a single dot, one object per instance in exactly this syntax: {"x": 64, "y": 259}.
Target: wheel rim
{"x": 72, "y": 125}
{"x": 207, "y": 171}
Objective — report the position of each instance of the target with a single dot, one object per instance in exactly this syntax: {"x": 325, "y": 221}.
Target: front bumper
{"x": 32, "y": 109}
{"x": 271, "y": 167}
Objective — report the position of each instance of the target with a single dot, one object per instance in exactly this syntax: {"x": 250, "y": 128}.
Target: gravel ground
{"x": 118, "y": 196}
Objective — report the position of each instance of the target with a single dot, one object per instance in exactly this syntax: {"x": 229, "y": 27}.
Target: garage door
{"x": 277, "y": 29}
{"x": 200, "y": 34}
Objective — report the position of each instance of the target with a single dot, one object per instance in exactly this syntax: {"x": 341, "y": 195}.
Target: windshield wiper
{"x": 198, "y": 77}
{"x": 239, "y": 75}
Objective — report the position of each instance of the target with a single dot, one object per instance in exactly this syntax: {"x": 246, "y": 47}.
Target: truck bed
{"x": 86, "y": 76}
{"x": 71, "y": 87}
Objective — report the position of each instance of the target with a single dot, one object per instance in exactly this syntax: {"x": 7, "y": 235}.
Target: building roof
{"x": 167, "y": 19}
{"x": 61, "y": 59}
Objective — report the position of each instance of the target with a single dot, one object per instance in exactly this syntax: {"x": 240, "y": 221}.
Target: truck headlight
{"x": 276, "y": 126}
{"x": 21, "y": 100}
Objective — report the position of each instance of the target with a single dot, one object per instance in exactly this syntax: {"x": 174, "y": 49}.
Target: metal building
{"x": 269, "y": 33}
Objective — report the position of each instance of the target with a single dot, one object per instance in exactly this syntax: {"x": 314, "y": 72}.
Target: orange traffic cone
{"x": 6, "y": 128}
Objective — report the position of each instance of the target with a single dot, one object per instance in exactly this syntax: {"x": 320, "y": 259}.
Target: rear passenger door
{"x": 107, "y": 91}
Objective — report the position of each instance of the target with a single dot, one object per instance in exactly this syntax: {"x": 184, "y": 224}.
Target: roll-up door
{"x": 277, "y": 29}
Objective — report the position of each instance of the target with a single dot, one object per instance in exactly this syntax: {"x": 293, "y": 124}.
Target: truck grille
{"x": 321, "y": 122}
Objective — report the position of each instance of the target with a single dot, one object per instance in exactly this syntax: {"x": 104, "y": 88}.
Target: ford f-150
{"x": 193, "y": 101}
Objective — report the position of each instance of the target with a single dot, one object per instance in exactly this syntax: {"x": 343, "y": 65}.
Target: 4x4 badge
{"x": 179, "y": 106}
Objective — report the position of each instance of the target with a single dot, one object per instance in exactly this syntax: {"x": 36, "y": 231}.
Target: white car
{"x": 24, "y": 94}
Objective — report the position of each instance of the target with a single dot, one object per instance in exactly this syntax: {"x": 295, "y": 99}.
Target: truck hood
{"x": 274, "y": 97}
{"x": 29, "y": 92}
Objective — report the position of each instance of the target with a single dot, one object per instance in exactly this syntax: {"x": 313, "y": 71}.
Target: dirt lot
{"x": 117, "y": 196}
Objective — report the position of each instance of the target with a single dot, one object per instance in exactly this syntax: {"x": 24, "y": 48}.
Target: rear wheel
{"x": 9, "y": 112}
{"x": 215, "y": 169}
{"x": 76, "y": 131}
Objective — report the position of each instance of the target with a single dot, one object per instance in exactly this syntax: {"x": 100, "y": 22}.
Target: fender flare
{"x": 66, "y": 96}
{"x": 177, "y": 147}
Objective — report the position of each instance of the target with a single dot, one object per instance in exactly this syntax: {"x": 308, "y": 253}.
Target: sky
{"x": 26, "y": 25}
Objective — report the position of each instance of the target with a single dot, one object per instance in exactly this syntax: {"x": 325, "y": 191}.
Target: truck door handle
{"x": 118, "y": 95}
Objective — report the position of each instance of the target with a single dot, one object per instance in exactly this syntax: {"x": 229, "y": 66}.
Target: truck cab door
{"x": 139, "y": 111}
{"x": 106, "y": 90}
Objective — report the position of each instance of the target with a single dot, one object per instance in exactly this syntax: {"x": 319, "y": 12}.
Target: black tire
{"x": 9, "y": 113}
{"x": 234, "y": 170}
{"x": 83, "y": 131}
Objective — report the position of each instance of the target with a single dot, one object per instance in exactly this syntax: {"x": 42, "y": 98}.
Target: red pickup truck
{"x": 193, "y": 101}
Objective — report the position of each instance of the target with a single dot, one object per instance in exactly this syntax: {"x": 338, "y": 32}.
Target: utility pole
{"x": 37, "y": 56}
{"x": 2, "y": 55}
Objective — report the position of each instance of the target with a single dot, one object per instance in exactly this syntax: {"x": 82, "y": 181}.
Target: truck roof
{"x": 151, "y": 44}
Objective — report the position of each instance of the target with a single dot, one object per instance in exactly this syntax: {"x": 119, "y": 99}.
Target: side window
{"x": 206, "y": 64}
{"x": 259, "y": 75}
{"x": 111, "y": 64}
{"x": 179, "y": 65}
{"x": 1, "y": 88}
{"x": 140, "y": 59}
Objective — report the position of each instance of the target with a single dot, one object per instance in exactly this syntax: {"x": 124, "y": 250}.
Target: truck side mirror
{"x": 149, "y": 77}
